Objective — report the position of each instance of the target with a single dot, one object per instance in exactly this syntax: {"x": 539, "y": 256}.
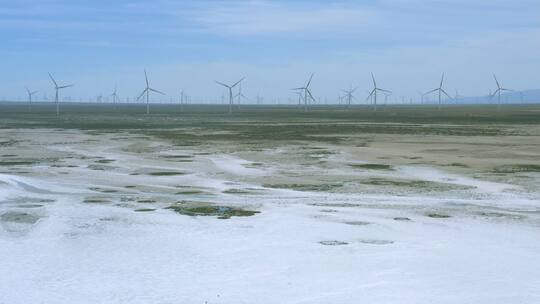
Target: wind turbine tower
{"x": 147, "y": 91}
{"x": 57, "y": 88}
{"x": 349, "y": 95}
{"x": 373, "y": 93}
{"x": 306, "y": 93}
{"x": 230, "y": 88}
{"x": 440, "y": 90}
{"x": 499, "y": 90}
{"x": 30, "y": 94}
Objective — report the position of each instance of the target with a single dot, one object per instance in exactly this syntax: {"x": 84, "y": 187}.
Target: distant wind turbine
{"x": 240, "y": 95}
{"x": 30, "y": 94}
{"x": 230, "y": 87}
{"x": 440, "y": 90}
{"x": 306, "y": 93}
{"x": 58, "y": 88}
{"x": 499, "y": 90}
{"x": 147, "y": 91}
{"x": 114, "y": 96}
{"x": 373, "y": 93}
{"x": 349, "y": 95}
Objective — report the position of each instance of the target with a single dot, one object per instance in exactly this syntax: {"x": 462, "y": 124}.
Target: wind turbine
{"x": 230, "y": 87}
{"x": 498, "y": 91}
{"x": 440, "y": 90}
{"x": 240, "y": 95}
{"x": 147, "y": 91}
{"x": 349, "y": 95}
{"x": 457, "y": 97}
{"x": 373, "y": 93}
{"x": 30, "y": 94}
{"x": 307, "y": 93}
{"x": 58, "y": 88}
{"x": 114, "y": 96}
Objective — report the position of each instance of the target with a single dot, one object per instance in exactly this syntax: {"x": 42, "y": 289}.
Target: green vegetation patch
{"x": 208, "y": 209}
{"x": 438, "y": 215}
{"x": 333, "y": 243}
{"x": 517, "y": 168}
{"x": 19, "y": 217}
{"x": 372, "y": 166}
{"x": 102, "y": 190}
{"x": 167, "y": 173}
{"x": 95, "y": 200}
{"x": 144, "y": 210}
{"x": 17, "y": 162}
{"x": 305, "y": 187}
{"x": 415, "y": 184}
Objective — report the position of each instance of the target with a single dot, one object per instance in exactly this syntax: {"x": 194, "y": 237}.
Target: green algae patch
{"x": 208, "y": 209}
{"x": 167, "y": 173}
{"x": 372, "y": 166}
{"x": 95, "y": 200}
{"x": 517, "y": 168}
{"x": 17, "y": 163}
{"x": 144, "y": 210}
{"x": 305, "y": 187}
{"x": 236, "y": 191}
{"x": 438, "y": 215}
{"x": 415, "y": 184}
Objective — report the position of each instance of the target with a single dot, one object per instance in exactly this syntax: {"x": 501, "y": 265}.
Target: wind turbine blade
{"x": 373, "y": 78}
{"x": 56, "y": 85}
{"x": 156, "y": 91}
{"x": 508, "y": 90}
{"x": 446, "y": 93}
{"x": 146, "y": 78}
{"x": 310, "y": 96}
{"x": 32, "y": 93}
{"x": 496, "y": 80}
{"x": 238, "y": 82}
{"x": 220, "y": 83}
{"x": 442, "y": 81}
{"x": 142, "y": 94}
{"x": 370, "y": 94}
{"x": 66, "y": 86}
{"x": 310, "y": 78}
{"x": 298, "y": 89}
{"x": 384, "y": 91}
{"x": 434, "y": 90}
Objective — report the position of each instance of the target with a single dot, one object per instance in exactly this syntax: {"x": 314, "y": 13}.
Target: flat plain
{"x": 270, "y": 204}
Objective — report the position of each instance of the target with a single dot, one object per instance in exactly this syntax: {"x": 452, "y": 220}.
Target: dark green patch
{"x": 305, "y": 187}
{"x": 105, "y": 161}
{"x": 144, "y": 210}
{"x": 235, "y": 191}
{"x": 95, "y": 200}
{"x": 103, "y": 190}
{"x": 205, "y": 209}
{"x": 146, "y": 201}
{"x": 190, "y": 192}
{"x": 415, "y": 184}
{"x": 517, "y": 168}
{"x": 372, "y": 166}
{"x": 166, "y": 173}
{"x": 17, "y": 163}
{"x": 438, "y": 215}
{"x": 333, "y": 243}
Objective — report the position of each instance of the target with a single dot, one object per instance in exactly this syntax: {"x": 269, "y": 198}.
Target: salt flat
{"x": 98, "y": 207}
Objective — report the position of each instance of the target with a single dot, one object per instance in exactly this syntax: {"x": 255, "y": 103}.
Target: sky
{"x": 187, "y": 45}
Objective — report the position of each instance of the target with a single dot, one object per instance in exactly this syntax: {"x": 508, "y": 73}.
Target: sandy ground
{"x": 381, "y": 218}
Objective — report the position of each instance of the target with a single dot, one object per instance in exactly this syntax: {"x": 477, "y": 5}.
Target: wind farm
{"x": 295, "y": 152}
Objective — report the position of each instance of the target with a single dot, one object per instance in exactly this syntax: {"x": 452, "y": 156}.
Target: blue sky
{"x": 275, "y": 44}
